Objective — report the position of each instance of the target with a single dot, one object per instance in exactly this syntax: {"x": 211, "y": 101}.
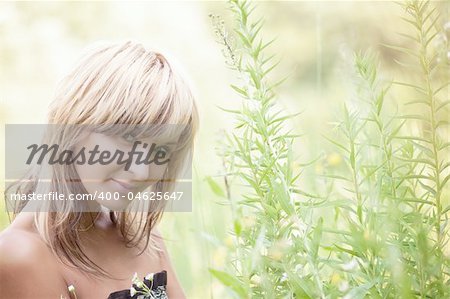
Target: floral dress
{"x": 152, "y": 287}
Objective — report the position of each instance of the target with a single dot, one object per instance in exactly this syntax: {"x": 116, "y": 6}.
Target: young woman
{"x": 119, "y": 96}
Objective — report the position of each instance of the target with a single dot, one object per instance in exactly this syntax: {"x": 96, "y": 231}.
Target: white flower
{"x": 343, "y": 286}
{"x": 255, "y": 279}
{"x": 135, "y": 278}
{"x": 351, "y": 265}
{"x": 71, "y": 288}
{"x": 447, "y": 26}
{"x": 139, "y": 284}
{"x": 149, "y": 276}
{"x": 132, "y": 291}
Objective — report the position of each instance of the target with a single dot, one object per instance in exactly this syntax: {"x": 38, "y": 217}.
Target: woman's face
{"x": 112, "y": 182}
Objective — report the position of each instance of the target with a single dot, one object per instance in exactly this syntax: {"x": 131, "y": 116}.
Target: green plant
{"x": 382, "y": 230}
{"x": 259, "y": 153}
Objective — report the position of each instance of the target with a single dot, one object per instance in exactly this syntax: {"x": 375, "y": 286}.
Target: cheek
{"x": 95, "y": 177}
{"x": 157, "y": 171}
{"x": 92, "y": 176}
{"x": 95, "y": 173}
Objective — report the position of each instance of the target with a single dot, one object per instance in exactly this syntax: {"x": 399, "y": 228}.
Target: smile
{"x": 125, "y": 186}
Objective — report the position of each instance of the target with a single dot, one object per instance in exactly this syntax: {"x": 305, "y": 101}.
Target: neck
{"x": 96, "y": 220}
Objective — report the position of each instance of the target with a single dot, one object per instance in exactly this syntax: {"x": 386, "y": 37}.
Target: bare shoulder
{"x": 17, "y": 245}
{"x": 27, "y": 269}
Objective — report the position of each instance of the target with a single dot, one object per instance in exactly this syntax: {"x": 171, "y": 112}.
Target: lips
{"x": 126, "y": 187}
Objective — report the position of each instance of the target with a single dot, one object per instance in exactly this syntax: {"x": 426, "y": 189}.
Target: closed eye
{"x": 128, "y": 137}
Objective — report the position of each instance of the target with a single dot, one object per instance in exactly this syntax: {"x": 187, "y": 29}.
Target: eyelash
{"x": 126, "y": 137}
{"x": 165, "y": 148}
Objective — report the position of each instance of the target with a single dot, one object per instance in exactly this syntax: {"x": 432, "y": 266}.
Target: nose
{"x": 140, "y": 171}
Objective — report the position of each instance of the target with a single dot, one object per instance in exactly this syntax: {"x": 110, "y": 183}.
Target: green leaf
{"x": 255, "y": 77}
{"x": 229, "y": 110}
{"x": 442, "y": 105}
{"x": 338, "y": 177}
{"x": 441, "y": 88}
{"x": 283, "y": 118}
{"x": 237, "y": 227}
{"x": 418, "y": 88}
{"x": 414, "y": 200}
{"x": 412, "y": 38}
{"x": 302, "y": 288}
{"x": 215, "y": 187}
{"x": 243, "y": 38}
{"x": 230, "y": 281}
{"x": 255, "y": 28}
{"x": 444, "y": 181}
{"x": 427, "y": 103}
{"x": 271, "y": 68}
{"x": 361, "y": 291}
{"x": 307, "y": 194}
{"x": 446, "y": 210}
{"x": 403, "y": 50}
{"x": 278, "y": 83}
{"x": 349, "y": 251}
{"x": 423, "y": 161}
{"x": 283, "y": 197}
{"x": 337, "y": 144}
{"x": 428, "y": 188}
{"x": 413, "y": 23}
{"x": 415, "y": 138}
{"x": 317, "y": 237}
{"x": 240, "y": 90}
{"x": 442, "y": 123}
{"x": 415, "y": 117}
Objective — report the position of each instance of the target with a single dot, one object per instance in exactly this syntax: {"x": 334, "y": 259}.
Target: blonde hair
{"x": 121, "y": 83}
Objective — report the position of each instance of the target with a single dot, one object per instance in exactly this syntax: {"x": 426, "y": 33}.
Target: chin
{"x": 115, "y": 205}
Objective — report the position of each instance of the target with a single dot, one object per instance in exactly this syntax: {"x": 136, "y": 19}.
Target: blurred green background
{"x": 39, "y": 42}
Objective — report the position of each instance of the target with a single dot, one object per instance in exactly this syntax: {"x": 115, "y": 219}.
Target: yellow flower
{"x": 229, "y": 241}
{"x": 334, "y": 159}
{"x": 319, "y": 168}
{"x": 366, "y": 235}
{"x": 276, "y": 252}
{"x": 335, "y": 278}
{"x": 219, "y": 256}
{"x": 275, "y": 255}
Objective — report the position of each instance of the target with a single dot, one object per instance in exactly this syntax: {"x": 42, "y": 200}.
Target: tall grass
{"x": 381, "y": 228}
